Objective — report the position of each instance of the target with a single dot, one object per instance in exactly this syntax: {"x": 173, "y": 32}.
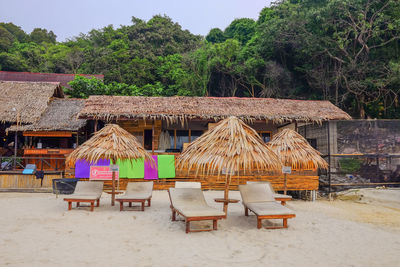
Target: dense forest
{"x": 345, "y": 51}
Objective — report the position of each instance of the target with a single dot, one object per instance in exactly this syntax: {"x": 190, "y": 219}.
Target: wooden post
{"x": 113, "y": 190}
{"x": 113, "y": 161}
{"x": 15, "y": 149}
{"x": 226, "y": 195}
{"x": 285, "y": 184}
{"x": 95, "y": 125}
{"x": 152, "y": 137}
{"x": 174, "y": 138}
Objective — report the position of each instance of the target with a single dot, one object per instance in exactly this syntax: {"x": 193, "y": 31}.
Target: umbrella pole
{"x": 226, "y": 196}
{"x": 285, "y": 184}
{"x": 113, "y": 189}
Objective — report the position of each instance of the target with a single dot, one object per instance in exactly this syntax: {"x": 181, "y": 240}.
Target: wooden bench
{"x": 131, "y": 200}
{"x": 191, "y": 205}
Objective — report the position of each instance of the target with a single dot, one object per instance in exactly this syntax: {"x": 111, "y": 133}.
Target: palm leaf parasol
{"x": 294, "y": 150}
{"x": 112, "y": 142}
{"x": 230, "y": 146}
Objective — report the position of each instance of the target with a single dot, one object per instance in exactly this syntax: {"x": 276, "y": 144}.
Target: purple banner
{"x": 151, "y": 173}
{"x": 82, "y": 167}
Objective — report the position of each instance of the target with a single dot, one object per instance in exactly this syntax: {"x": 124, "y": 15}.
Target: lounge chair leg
{"x": 69, "y": 205}
{"x": 285, "y": 223}
{"x": 130, "y": 204}
{"x": 143, "y": 205}
{"x": 259, "y": 224}
{"x": 149, "y": 202}
{"x": 215, "y": 224}
{"x": 92, "y": 206}
{"x": 121, "y": 206}
{"x": 77, "y": 204}
{"x": 98, "y": 203}
{"x": 246, "y": 211}
{"x": 173, "y": 215}
{"x": 187, "y": 227}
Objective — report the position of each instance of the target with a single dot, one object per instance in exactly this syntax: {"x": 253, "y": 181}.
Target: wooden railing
{"x": 42, "y": 163}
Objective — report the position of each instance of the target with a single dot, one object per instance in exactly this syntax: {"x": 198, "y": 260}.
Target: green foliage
{"x": 39, "y": 36}
{"x": 350, "y": 165}
{"x": 344, "y": 51}
{"x": 6, "y": 39}
{"x": 215, "y": 36}
{"x": 241, "y": 30}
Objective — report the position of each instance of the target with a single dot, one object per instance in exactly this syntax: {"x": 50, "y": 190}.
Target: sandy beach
{"x": 37, "y": 230}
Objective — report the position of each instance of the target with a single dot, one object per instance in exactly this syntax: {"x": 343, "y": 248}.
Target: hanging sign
{"x": 287, "y": 169}
{"x": 114, "y": 168}
{"x": 225, "y": 171}
{"x": 102, "y": 173}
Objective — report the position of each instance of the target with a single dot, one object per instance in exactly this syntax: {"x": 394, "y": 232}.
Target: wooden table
{"x": 115, "y": 192}
{"x": 223, "y": 200}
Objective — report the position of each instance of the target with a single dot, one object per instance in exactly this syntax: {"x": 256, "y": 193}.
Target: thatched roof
{"x": 215, "y": 108}
{"x": 294, "y": 150}
{"x": 231, "y": 146}
{"x": 25, "y": 102}
{"x": 111, "y": 142}
{"x": 60, "y": 115}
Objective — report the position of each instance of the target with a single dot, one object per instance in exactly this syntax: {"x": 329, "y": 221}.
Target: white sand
{"x": 37, "y": 229}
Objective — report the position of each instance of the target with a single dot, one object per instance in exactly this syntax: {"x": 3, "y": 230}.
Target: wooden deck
{"x": 23, "y": 181}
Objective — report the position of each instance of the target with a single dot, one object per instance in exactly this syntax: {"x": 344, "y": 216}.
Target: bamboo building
{"x": 45, "y": 125}
{"x": 165, "y": 125}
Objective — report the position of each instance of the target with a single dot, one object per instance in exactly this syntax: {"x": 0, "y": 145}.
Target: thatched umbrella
{"x": 112, "y": 142}
{"x": 230, "y": 146}
{"x": 293, "y": 150}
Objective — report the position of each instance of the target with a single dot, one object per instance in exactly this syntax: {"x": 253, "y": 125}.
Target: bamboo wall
{"x": 26, "y": 181}
{"x": 294, "y": 182}
{"x": 135, "y": 127}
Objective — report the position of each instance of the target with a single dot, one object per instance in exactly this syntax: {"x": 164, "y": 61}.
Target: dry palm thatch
{"x": 180, "y": 109}
{"x": 230, "y": 146}
{"x": 24, "y": 102}
{"x": 60, "y": 115}
{"x": 294, "y": 150}
{"x": 112, "y": 142}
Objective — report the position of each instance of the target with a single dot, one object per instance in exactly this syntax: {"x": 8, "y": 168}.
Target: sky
{"x": 69, "y": 18}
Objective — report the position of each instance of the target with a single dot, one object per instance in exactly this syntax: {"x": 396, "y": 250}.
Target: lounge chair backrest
{"x": 187, "y": 185}
{"x": 88, "y": 187}
{"x": 256, "y": 193}
{"x": 187, "y": 196}
{"x": 262, "y": 182}
{"x": 139, "y": 187}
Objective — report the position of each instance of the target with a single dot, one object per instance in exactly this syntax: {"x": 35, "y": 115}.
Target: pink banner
{"x": 151, "y": 173}
{"x": 102, "y": 173}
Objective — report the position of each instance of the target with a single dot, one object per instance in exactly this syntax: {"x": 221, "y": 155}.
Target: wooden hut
{"x": 55, "y": 135}
{"x": 22, "y": 103}
{"x": 165, "y": 125}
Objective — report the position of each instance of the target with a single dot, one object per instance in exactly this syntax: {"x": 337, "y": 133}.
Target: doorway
{"x": 148, "y": 139}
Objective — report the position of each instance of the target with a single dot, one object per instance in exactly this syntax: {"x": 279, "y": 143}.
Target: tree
{"x": 241, "y": 30}
{"x": 39, "y": 36}
{"x": 215, "y": 36}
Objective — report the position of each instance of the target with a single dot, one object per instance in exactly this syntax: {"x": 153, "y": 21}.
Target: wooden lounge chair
{"x": 136, "y": 192}
{"x": 278, "y": 197}
{"x": 86, "y": 191}
{"x": 191, "y": 204}
{"x": 187, "y": 184}
{"x": 259, "y": 199}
